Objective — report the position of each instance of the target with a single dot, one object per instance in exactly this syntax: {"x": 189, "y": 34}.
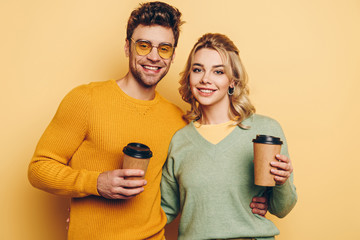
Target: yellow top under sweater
{"x": 86, "y": 137}
{"x": 214, "y": 133}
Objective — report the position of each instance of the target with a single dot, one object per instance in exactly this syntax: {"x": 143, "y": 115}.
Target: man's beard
{"x": 141, "y": 78}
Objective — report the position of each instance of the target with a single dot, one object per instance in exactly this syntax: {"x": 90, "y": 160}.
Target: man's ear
{"x": 173, "y": 57}
{"x": 127, "y": 48}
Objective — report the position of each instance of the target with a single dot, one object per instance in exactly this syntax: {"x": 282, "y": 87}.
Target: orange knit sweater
{"x": 86, "y": 137}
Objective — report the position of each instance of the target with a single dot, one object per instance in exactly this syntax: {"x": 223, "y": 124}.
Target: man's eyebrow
{"x": 145, "y": 40}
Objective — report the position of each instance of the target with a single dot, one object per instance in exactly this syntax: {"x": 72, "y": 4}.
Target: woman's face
{"x": 208, "y": 82}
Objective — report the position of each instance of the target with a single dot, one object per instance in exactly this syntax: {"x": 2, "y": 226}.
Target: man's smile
{"x": 152, "y": 68}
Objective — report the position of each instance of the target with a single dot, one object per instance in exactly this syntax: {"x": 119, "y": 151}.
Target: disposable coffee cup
{"x": 136, "y": 156}
{"x": 265, "y": 149}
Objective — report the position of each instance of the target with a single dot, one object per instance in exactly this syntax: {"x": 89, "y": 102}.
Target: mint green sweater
{"x": 212, "y": 185}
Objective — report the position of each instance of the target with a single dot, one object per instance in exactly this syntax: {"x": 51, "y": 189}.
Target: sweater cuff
{"x": 283, "y": 186}
{"x": 91, "y": 183}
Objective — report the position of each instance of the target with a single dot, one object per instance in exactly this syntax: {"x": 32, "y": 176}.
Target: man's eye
{"x": 164, "y": 49}
{"x": 143, "y": 45}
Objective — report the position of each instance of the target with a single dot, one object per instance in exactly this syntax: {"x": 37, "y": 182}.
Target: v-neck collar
{"x": 224, "y": 144}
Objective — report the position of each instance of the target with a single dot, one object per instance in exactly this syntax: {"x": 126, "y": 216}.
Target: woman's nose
{"x": 205, "y": 79}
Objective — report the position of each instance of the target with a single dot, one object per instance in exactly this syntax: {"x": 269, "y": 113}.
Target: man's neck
{"x": 135, "y": 90}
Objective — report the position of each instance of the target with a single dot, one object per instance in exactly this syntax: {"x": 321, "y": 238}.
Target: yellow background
{"x": 302, "y": 58}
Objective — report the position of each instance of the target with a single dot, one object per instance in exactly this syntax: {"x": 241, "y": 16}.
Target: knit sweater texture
{"x": 212, "y": 185}
{"x": 86, "y": 137}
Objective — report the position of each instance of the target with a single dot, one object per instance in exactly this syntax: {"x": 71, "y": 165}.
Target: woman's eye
{"x": 196, "y": 70}
{"x": 219, "y": 72}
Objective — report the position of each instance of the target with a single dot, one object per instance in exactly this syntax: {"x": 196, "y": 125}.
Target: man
{"x": 79, "y": 154}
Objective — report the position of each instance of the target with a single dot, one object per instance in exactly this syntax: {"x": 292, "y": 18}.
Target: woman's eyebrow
{"x": 220, "y": 65}
{"x": 215, "y": 66}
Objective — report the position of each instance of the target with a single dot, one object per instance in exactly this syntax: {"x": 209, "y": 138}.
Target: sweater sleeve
{"x": 169, "y": 189}
{"x": 282, "y": 198}
{"x": 49, "y": 169}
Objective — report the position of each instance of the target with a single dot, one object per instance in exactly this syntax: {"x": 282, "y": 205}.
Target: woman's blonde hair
{"x": 240, "y": 105}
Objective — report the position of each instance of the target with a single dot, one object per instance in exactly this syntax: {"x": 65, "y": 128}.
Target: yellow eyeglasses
{"x": 144, "y": 47}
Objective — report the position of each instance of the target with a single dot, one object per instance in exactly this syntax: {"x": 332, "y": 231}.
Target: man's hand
{"x": 282, "y": 169}
{"x": 259, "y": 206}
{"x": 113, "y": 185}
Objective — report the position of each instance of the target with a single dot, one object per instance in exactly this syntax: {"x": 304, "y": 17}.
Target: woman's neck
{"x": 214, "y": 116}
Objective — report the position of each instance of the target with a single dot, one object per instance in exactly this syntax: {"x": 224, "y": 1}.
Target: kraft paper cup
{"x": 136, "y": 156}
{"x": 265, "y": 149}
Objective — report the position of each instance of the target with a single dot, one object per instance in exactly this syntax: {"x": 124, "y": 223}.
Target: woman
{"x": 208, "y": 176}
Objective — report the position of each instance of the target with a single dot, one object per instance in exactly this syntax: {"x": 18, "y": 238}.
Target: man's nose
{"x": 154, "y": 55}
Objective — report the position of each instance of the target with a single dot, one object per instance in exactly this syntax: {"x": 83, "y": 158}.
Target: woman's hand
{"x": 259, "y": 205}
{"x": 282, "y": 169}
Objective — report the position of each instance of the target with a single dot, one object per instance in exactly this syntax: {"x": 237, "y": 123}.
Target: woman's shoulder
{"x": 258, "y": 122}
{"x": 184, "y": 135}
{"x": 260, "y": 119}
{"x": 186, "y": 130}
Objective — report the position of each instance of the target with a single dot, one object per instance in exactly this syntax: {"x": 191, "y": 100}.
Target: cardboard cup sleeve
{"x": 265, "y": 149}
{"x": 136, "y": 156}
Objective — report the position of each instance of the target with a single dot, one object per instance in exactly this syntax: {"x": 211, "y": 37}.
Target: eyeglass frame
{"x": 152, "y": 46}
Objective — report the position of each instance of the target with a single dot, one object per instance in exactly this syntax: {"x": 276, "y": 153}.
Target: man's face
{"x": 149, "y": 69}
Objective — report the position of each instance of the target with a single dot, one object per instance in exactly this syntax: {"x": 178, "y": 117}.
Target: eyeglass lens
{"x": 144, "y": 47}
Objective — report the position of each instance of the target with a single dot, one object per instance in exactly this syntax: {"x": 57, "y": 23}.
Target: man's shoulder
{"x": 165, "y": 101}
{"x": 101, "y": 84}
{"x": 166, "y": 104}
{"x": 86, "y": 87}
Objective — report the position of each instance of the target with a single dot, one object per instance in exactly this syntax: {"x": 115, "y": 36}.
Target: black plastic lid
{"x": 137, "y": 150}
{"x": 266, "y": 139}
